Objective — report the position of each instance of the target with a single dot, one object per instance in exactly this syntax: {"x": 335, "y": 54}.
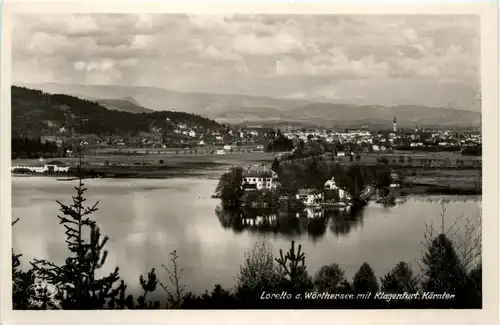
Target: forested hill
{"x": 38, "y": 113}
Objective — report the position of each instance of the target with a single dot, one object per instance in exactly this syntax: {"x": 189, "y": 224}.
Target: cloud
{"x": 282, "y": 43}
{"x": 213, "y": 53}
{"x": 270, "y": 55}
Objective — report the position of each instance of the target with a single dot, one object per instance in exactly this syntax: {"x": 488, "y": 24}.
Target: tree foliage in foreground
{"x": 77, "y": 276}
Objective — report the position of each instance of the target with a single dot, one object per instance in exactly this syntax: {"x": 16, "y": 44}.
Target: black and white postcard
{"x": 262, "y": 158}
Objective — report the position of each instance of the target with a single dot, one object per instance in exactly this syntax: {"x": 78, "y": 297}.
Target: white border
{"x": 489, "y": 69}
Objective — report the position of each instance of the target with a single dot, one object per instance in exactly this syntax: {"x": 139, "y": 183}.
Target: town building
{"x": 52, "y": 167}
{"x": 332, "y": 186}
{"x": 309, "y": 197}
{"x": 259, "y": 178}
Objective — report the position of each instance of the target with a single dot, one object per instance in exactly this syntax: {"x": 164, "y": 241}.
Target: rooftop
{"x": 258, "y": 171}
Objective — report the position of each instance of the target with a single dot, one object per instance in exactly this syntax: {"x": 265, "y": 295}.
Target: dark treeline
{"x": 314, "y": 172}
{"x": 472, "y": 151}
{"x": 298, "y": 148}
{"x": 279, "y": 143}
{"x": 24, "y": 147}
{"x": 30, "y": 107}
{"x": 447, "y": 266}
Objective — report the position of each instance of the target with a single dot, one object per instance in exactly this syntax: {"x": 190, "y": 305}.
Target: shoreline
{"x": 424, "y": 182}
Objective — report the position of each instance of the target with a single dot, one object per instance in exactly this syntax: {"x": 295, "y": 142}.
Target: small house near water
{"x": 259, "y": 178}
{"x": 331, "y": 185}
{"x": 309, "y": 197}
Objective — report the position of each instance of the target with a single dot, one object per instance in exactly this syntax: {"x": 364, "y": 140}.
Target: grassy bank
{"x": 430, "y": 189}
{"x": 146, "y": 166}
{"x": 169, "y": 160}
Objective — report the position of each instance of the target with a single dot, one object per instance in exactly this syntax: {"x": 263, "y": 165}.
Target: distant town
{"x": 255, "y": 138}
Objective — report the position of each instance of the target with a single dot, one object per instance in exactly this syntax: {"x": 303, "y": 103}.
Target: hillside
{"x": 241, "y": 108}
{"x": 127, "y": 104}
{"x": 38, "y": 113}
{"x": 124, "y": 105}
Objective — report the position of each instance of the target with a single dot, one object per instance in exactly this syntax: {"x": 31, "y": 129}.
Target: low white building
{"x": 32, "y": 168}
{"x": 192, "y": 134}
{"x": 53, "y": 168}
{"x": 56, "y": 168}
{"x": 309, "y": 197}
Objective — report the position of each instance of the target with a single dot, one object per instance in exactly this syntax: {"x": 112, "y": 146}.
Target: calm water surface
{"x": 147, "y": 219}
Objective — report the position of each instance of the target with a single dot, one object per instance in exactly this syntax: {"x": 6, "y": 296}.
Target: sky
{"x": 362, "y": 59}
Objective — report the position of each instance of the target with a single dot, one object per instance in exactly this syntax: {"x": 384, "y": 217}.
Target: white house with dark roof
{"x": 332, "y": 185}
{"x": 259, "y": 178}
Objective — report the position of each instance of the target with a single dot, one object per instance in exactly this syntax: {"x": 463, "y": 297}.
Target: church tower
{"x": 394, "y": 125}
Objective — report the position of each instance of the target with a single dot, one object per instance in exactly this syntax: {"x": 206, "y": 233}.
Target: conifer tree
{"x": 293, "y": 271}
{"x": 148, "y": 285}
{"x": 364, "y": 280}
{"x": 76, "y": 278}
{"x": 21, "y": 281}
{"x": 442, "y": 268}
{"x": 400, "y": 279}
{"x": 450, "y": 260}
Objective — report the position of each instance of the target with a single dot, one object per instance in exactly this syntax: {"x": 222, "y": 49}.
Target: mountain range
{"x": 237, "y": 109}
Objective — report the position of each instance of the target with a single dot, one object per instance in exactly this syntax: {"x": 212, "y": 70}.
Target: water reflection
{"x": 312, "y": 222}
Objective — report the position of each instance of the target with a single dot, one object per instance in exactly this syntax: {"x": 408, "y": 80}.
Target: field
{"x": 158, "y": 160}
{"x": 413, "y": 159}
{"x": 467, "y": 179}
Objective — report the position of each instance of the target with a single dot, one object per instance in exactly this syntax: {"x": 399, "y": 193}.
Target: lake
{"x": 146, "y": 219}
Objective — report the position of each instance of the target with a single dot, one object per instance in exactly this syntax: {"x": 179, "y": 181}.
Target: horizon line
{"x": 312, "y": 101}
